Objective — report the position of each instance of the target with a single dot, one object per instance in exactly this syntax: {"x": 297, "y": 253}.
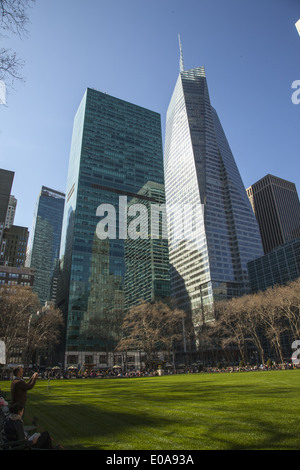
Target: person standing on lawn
{"x": 19, "y": 387}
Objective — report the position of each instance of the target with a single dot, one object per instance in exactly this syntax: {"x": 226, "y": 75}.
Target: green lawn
{"x": 250, "y": 410}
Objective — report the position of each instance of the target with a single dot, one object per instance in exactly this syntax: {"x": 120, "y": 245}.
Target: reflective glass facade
{"x": 278, "y": 267}
{"x": 147, "y": 260}
{"x": 209, "y": 262}
{"x": 116, "y": 149}
{"x": 44, "y": 242}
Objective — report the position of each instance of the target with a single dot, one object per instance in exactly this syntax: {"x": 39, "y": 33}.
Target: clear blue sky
{"x": 129, "y": 49}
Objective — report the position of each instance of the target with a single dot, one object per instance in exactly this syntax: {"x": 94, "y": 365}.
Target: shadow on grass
{"x": 159, "y": 415}
{"x": 79, "y": 427}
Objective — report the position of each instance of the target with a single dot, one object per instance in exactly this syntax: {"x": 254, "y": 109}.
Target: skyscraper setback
{"x": 210, "y": 263}
{"x": 116, "y": 149}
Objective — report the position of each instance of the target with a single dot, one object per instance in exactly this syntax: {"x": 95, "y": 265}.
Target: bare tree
{"x": 13, "y": 15}
{"x": 24, "y": 326}
{"x": 231, "y": 325}
{"x": 272, "y": 320}
{"x": 10, "y": 65}
{"x": 14, "y": 20}
{"x": 268, "y": 314}
{"x": 289, "y": 303}
{"x": 252, "y": 310}
{"x": 208, "y": 341}
{"x": 16, "y": 305}
{"x": 44, "y": 332}
{"x": 151, "y": 327}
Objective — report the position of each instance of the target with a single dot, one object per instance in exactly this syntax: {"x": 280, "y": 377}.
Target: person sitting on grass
{"x": 14, "y": 430}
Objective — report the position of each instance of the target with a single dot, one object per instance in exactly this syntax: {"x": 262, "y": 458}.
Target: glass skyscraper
{"x": 278, "y": 267}
{"x": 116, "y": 149}
{"x": 44, "y": 242}
{"x": 147, "y": 260}
{"x": 213, "y": 232}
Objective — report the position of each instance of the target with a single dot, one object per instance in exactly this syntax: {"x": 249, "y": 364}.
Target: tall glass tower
{"x": 209, "y": 254}
{"x": 147, "y": 259}
{"x": 44, "y": 242}
{"x": 116, "y": 149}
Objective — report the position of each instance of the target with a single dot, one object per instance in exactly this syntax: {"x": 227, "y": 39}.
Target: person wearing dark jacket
{"x": 14, "y": 430}
{"x": 19, "y": 387}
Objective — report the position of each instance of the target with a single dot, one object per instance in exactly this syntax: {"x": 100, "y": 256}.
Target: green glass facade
{"x": 45, "y": 238}
{"x": 116, "y": 149}
{"x": 277, "y": 267}
{"x": 147, "y": 260}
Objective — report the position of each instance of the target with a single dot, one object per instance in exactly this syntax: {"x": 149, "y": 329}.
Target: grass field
{"x": 250, "y": 410}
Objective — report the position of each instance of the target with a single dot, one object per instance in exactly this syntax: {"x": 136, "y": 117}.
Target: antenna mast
{"x": 181, "y": 55}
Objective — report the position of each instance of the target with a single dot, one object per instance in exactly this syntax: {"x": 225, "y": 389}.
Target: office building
{"x": 44, "y": 242}
{"x": 14, "y": 246}
{"x": 278, "y": 267}
{"x": 11, "y": 211}
{"x": 209, "y": 253}
{"x": 12, "y": 276}
{"x": 6, "y": 181}
{"x": 116, "y": 149}
{"x": 276, "y": 205}
{"x": 147, "y": 259}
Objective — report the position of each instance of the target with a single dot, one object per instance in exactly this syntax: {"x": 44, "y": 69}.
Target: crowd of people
{"x": 114, "y": 372}
{"x": 90, "y": 373}
{"x": 252, "y": 368}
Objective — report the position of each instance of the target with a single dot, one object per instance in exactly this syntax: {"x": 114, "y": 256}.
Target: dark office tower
{"x": 6, "y": 181}
{"x": 212, "y": 229}
{"x": 44, "y": 241}
{"x": 14, "y": 245}
{"x": 276, "y": 205}
{"x": 116, "y": 148}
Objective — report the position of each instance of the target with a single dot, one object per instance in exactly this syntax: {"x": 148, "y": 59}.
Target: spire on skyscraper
{"x": 181, "y": 55}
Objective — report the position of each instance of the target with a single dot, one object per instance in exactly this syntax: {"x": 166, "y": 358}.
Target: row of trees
{"x": 242, "y": 324}
{"x": 267, "y": 317}
{"x": 26, "y": 327}
{"x": 263, "y": 322}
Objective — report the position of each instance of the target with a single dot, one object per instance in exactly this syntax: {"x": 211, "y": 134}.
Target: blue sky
{"x": 129, "y": 49}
